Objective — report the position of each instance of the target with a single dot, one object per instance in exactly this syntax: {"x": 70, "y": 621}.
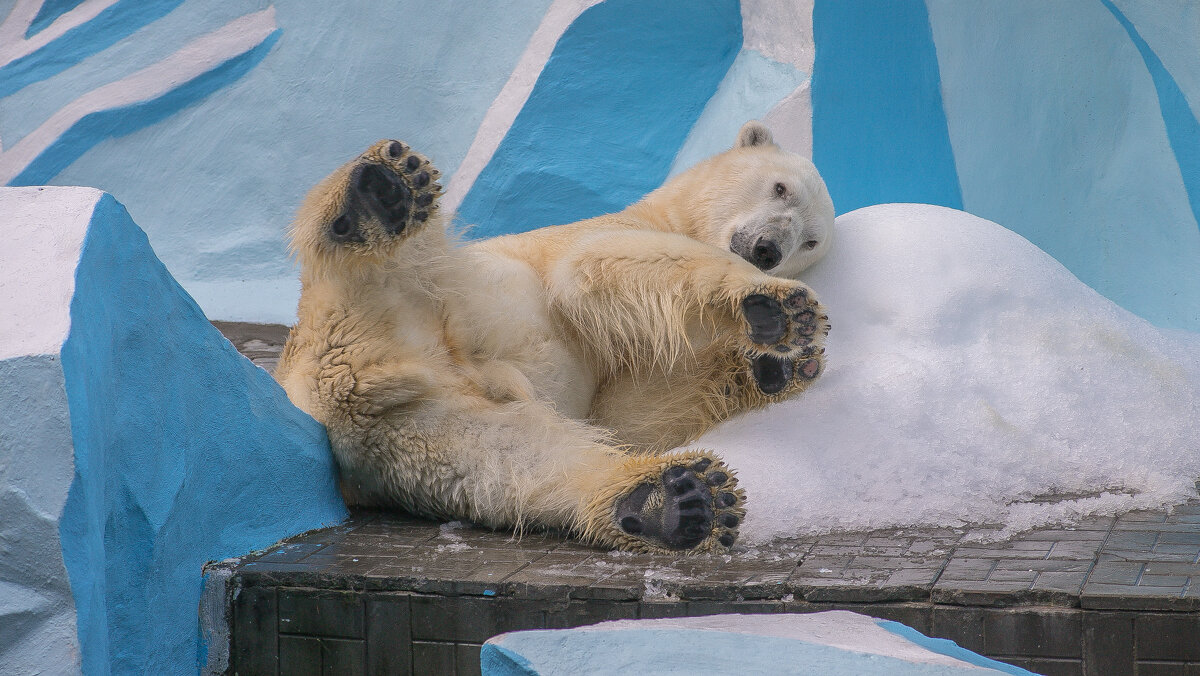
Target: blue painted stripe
{"x": 496, "y": 660}
{"x": 1183, "y": 130}
{"x": 949, "y": 648}
{"x": 96, "y": 127}
{"x": 879, "y": 128}
{"x": 48, "y": 12}
{"x": 613, "y": 105}
{"x": 106, "y": 29}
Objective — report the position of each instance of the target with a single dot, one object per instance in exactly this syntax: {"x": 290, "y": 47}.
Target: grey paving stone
{"x": 1116, "y": 572}
{"x": 1142, "y": 517}
{"x": 1108, "y": 643}
{"x": 389, "y": 634}
{"x": 1127, "y": 597}
{"x": 1131, "y": 540}
{"x": 1075, "y": 550}
{"x": 1068, "y": 583}
{"x": 1163, "y": 636}
{"x": 299, "y": 655}
{"x": 1046, "y": 666}
{"x": 993, "y": 552}
{"x": 1045, "y": 565}
{"x": 321, "y": 613}
{"x": 1033, "y": 633}
{"x": 1064, "y": 535}
{"x": 963, "y": 625}
{"x": 254, "y": 626}
{"x": 434, "y": 658}
{"x": 343, "y": 657}
{"x": 1024, "y": 576}
{"x": 967, "y": 569}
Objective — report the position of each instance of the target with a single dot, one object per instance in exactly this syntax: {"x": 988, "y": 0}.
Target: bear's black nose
{"x": 766, "y": 254}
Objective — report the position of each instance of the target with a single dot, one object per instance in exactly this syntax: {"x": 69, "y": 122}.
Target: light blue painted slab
{"x": 836, "y": 643}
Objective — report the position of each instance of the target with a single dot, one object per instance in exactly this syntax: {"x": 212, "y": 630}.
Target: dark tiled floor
{"x": 1092, "y": 565}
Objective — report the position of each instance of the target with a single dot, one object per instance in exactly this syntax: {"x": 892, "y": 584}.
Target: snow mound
{"x": 971, "y": 379}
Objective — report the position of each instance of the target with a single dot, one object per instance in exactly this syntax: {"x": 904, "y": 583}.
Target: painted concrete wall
{"x": 1072, "y": 123}
{"x": 136, "y": 445}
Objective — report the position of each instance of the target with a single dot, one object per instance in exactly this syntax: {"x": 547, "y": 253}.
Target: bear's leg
{"x": 521, "y": 464}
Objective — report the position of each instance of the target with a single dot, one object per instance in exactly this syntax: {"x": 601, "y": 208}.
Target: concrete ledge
{"x": 445, "y": 589}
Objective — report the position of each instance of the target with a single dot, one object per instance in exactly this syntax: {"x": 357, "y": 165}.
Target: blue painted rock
{"x": 135, "y": 445}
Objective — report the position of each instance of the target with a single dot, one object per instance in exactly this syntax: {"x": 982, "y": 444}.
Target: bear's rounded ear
{"x": 754, "y": 133}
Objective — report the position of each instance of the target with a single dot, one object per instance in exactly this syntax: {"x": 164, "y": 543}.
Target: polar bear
{"x": 490, "y": 381}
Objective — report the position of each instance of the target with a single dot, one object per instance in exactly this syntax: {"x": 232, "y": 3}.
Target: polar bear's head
{"x": 763, "y": 203}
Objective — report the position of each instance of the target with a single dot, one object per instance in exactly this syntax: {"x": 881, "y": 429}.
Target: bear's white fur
{"x": 537, "y": 379}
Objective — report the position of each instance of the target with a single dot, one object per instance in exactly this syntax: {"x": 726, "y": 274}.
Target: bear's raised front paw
{"x": 684, "y": 502}
{"x": 392, "y": 189}
{"x": 785, "y": 336}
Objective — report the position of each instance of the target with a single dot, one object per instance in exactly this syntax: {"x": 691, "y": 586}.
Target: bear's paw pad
{"x": 688, "y": 506}
{"x": 392, "y": 185}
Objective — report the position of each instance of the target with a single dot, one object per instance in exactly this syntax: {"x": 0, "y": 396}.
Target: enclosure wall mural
{"x": 1072, "y": 124}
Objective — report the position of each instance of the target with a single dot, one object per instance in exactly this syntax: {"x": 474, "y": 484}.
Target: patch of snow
{"x": 969, "y": 376}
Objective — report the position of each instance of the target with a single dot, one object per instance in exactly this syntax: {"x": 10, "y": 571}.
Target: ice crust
{"x": 969, "y": 376}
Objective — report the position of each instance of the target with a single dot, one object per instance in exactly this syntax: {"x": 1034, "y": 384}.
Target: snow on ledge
{"x": 969, "y": 376}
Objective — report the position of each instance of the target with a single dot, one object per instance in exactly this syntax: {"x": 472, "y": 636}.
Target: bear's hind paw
{"x": 684, "y": 502}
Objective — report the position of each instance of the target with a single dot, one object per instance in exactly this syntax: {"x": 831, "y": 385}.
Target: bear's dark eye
{"x": 780, "y": 190}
